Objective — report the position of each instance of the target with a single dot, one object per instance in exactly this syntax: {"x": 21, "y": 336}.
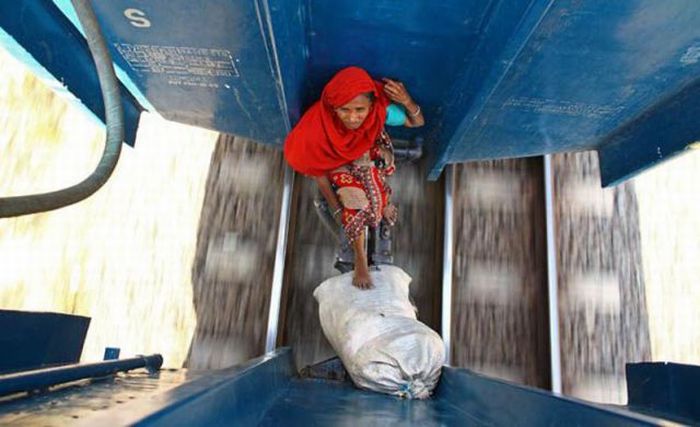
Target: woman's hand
{"x": 398, "y": 93}
{"x": 391, "y": 213}
{"x": 338, "y": 216}
{"x": 336, "y": 209}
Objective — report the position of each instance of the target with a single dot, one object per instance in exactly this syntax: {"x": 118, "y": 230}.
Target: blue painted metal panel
{"x": 575, "y": 72}
{"x": 111, "y": 353}
{"x": 665, "y": 389}
{"x": 263, "y": 392}
{"x": 288, "y": 26}
{"x": 235, "y": 396}
{"x": 500, "y": 40}
{"x": 209, "y": 64}
{"x": 494, "y": 402}
{"x": 45, "y": 33}
{"x": 66, "y": 6}
{"x": 317, "y": 402}
{"x": 30, "y": 340}
{"x": 661, "y": 133}
{"x": 495, "y": 79}
{"x": 424, "y": 44}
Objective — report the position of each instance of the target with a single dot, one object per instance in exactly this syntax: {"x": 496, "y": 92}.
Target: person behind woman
{"x": 341, "y": 142}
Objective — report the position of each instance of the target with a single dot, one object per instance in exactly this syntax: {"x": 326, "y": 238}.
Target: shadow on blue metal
{"x": 665, "y": 390}
{"x": 31, "y": 340}
{"x": 331, "y": 369}
{"x": 41, "y": 29}
{"x": 495, "y": 78}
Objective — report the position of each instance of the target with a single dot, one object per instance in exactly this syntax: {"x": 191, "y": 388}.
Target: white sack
{"x": 377, "y": 336}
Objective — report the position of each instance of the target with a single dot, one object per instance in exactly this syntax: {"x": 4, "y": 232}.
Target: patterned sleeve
{"x": 395, "y": 115}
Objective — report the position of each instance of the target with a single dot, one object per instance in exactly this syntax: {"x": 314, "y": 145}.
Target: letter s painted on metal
{"x": 137, "y": 18}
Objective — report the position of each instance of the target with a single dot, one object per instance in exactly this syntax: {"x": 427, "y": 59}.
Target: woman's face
{"x": 353, "y": 113}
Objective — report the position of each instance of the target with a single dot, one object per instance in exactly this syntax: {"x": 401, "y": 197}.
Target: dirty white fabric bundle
{"x": 377, "y": 336}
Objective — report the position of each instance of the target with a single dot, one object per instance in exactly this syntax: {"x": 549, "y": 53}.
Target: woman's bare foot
{"x": 391, "y": 213}
{"x": 361, "y": 278}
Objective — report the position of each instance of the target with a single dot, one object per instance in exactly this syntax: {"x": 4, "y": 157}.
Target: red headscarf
{"x": 320, "y": 142}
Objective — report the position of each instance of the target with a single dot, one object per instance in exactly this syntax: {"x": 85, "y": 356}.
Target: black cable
{"x": 114, "y": 121}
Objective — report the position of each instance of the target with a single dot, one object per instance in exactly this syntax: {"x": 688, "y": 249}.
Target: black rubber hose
{"x": 114, "y": 120}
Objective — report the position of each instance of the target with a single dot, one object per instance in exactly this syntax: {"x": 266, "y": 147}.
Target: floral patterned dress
{"x": 362, "y": 189}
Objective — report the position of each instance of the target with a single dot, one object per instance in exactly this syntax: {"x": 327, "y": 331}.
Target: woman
{"x": 341, "y": 142}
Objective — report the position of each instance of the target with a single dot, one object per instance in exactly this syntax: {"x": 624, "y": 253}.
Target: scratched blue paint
{"x": 66, "y": 6}
{"x": 206, "y": 64}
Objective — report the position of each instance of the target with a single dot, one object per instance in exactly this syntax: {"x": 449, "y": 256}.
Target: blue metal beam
{"x": 504, "y": 32}
{"x": 663, "y": 132}
{"x": 43, "y": 378}
{"x": 45, "y": 33}
{"x": 288, "y": 27}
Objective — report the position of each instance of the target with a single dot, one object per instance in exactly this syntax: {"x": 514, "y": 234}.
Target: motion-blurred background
{"x": 174, "y": 255}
